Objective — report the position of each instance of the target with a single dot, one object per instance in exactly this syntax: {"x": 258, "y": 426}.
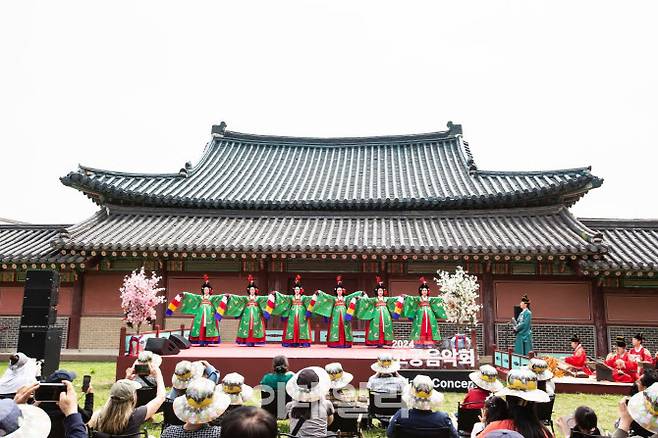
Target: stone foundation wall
{"x": 9, "y": 331}
{"x": 650, "y": 334}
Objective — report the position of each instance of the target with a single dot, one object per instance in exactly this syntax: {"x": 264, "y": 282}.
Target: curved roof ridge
{"x": 582, "y": 169}
{"x": 97, "y": 170}
{"x": 620, "y": 222}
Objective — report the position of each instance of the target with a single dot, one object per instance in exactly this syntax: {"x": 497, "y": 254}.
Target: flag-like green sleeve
{"x": 365, "y": 308}
{"x": 410, "y": 306}
{"x": 262, "y": 302}
{"x": 282, "y": 304}
{"x": 324, "y": 305}
{"x": 436, "y": 304}
{"x": 215, "y": 300}
{"x": 190, "y": 303}
{"x": 236, "y": 304}
{"x": 356, "y": 294}
{"x": 390, "y": 304}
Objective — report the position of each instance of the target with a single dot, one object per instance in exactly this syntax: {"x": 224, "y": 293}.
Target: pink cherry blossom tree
{"x": 139, "y": 296}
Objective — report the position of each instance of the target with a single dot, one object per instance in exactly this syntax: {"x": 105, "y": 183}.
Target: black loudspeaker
{"x": 161, "y": 346}
{"x": 40, "y": 299}
{"x": 517, "y": 312}
{"x": 180, "y": 341}
{"x": 42, "y": 343}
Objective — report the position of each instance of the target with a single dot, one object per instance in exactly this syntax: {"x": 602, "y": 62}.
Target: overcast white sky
{"x": 136, "y": 86}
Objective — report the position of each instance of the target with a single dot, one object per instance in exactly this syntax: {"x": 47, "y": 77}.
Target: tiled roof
{"x": 424, "y": 171}
{"x": 633, "y": 246}
{"x": 31, "y": 244}
{"x": 534, "y": 231}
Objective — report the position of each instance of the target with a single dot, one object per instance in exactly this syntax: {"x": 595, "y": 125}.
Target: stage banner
{"x": 444, "y": 380}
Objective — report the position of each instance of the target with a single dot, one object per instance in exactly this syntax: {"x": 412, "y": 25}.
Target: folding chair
{"x": 400, "y": 431}
{"x": 97, "y": 434}
{"x": 545, "y": 413}
{"x": 466, "y": 419}
{"x": 348, "y": 419}
{"x": 169, "y": 417}
{"x": 383, "y": 405}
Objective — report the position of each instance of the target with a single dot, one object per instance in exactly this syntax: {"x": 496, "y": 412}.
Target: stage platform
{"x": 253, "y": 362}
{"x": 574, "y": 385}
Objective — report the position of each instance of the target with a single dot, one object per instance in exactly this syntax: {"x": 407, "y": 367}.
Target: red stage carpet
{"x": 253, "y": 362}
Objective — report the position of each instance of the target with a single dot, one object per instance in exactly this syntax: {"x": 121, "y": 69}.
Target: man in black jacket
{"x": 54, "y": 412}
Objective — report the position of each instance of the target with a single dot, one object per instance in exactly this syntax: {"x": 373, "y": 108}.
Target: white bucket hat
{"x": 643, "y": 407}
{"x": 486, "y": 378}
{"x": 339, "y": 378}
{"x": 315, "y": 392}
{"x": 233, "y": 385}
{"x": 185, "y": 372}
{"x": 522, "y": 383}
{"x": 420, "y": 394}
{"x": 201, "y": 403}
{"x": 149, "y": 357}
{"x": 23, "y": 421}
{"x": 540, "y": 368}
{"x": 386, "y": 364}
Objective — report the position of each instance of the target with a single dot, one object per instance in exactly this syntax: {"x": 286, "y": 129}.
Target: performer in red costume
{"x": 639, "y": 353}
{"x": 625, "y": 369}
{"x": 579, "y": 359}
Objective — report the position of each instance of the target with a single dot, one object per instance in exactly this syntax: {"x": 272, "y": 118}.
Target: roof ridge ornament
{"x": 218, "y": 130}
{"x": 454, "y": 128}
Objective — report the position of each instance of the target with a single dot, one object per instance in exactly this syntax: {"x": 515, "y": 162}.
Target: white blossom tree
{"x": 459, "y": 295}
{"x": 139, "y": 296}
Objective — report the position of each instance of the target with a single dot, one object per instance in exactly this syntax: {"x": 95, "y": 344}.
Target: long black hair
{"x": 525, "y": 419}
{"x": 495, "y": 409}
{"x": 249, "y": 422}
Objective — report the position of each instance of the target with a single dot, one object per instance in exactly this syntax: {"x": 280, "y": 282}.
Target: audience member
{"x": 249, "y": 422}
{"x": 486, "y": 382}
{"x": 638, "y": 416}
{"x": 386, "y": 377}
{"x": 119, "y": 415}
{"x": 279, "y": 376}
{"x": 586, "y": 421}
{"x": 22, "y": 371}
{"x": 55, "y": 413}
{"x": 184, "y": 373}
{"x": 209, "y": 371}
{"x": 309, "y": 412}
{"x": 339, "y": 380}
{"x": 200, "y": 405}
{"x": 521, "y": 394}
{"x": 273, "y": 387}
{"x": 234, "y": 387}
{"x": 74, "y": 426}
{"x": 420, "y": 399}
{"x": 22, "y": 420}
{"x": 495, "y": 409}
{"x": 544, "y": 375}
{"x": 152, "y": 360}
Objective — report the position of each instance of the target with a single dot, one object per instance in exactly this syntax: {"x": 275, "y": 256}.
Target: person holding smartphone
{"x": 54, "y": 412}
{"x": 119, "y": 416}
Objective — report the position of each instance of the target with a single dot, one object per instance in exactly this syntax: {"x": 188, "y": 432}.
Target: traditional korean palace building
{"x": 396, "y": 206}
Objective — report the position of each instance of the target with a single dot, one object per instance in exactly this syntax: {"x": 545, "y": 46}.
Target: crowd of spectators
{"x": 204, "y": 405}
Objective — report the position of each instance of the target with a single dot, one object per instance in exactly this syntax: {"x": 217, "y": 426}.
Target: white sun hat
{"x": 233, "y": 385}
{"x": 23, "y": 421}
{"x": 185, "y": 372}
{"x": 643, "y": 407}
{"x": 486, "y": 378}
{"x": 540, "y": 368}
{"x": 522, "y": 383}
{"x": 420, "y": 394}
{"x": 386, "y": 364}
{"x": 339, "y": 378}
{"x": 149, "y": 357}
{"x": 201, "y": 402}
{"x": 317, "y": 389}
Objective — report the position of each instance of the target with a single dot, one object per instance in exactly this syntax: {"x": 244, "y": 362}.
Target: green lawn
{"x": 103, "y": 376}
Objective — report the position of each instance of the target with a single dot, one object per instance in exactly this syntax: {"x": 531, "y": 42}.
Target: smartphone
{"x": 86, "y": 380}
{"x": 49, "y": 392}
{"x": 142, "y": 369}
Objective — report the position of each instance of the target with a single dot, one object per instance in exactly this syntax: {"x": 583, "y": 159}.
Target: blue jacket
{"x": 74, "y": 426}
{"x": 415, "y": 418}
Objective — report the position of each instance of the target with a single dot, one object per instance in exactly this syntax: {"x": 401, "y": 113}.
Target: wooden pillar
{"x": 160, "y": 310}
{"x": 600, "y": 323}
{"x": 73, "y": 338}
{"x": 488, "y": 313}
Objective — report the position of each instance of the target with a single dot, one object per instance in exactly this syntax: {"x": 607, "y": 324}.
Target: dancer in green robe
{"x": 424, "y": 310}
{"x": 205, "y": 326}
{"x": 339, "y": 309}
{"x": 292, "y": 308}
{"x": 250, "y": 309}
{"x": 377, "y": 311}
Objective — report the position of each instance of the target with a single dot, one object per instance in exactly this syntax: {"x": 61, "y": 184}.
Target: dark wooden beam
{"x": 160, "y": 310}
{"x": 73, "y": 337}
{"x": 600, "y": 322}
{"x": 488, "y": 314}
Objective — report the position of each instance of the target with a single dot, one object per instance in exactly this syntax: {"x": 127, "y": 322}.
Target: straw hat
{"x": 643, "y": 407}
{"x": 522, "y": 383}
{"x": 386, "y": 364}
{"x": 201, "y": 403}
{"x": 420, "y": 394}
{"x": 486, "y": 378}
{"x": 149, "y": 357}
{"x": 339, "y": 378}
{"x": 185, "y": 372}
{"x": 540, "y": 368}
{"x": 23, "y": 421}
{"x": 233, "y": 386}
{"x": 318, "y": 387}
